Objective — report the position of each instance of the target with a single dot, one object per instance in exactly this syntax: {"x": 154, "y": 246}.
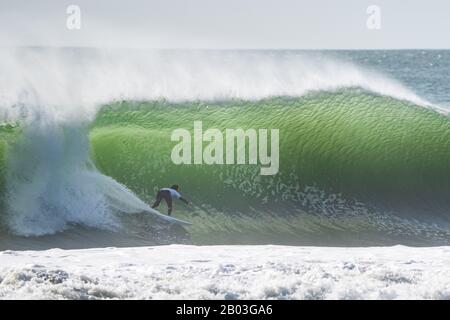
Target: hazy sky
{"x": 230, "y": 24}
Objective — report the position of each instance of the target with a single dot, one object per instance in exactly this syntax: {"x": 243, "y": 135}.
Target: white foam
{"x": 51, "y": 184}
{"x": 224, "y": 272}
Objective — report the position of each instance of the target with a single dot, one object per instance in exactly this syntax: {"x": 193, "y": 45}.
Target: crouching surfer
{"x": 168, "y": 194}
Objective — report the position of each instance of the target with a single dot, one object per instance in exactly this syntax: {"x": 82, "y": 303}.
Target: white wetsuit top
{"x": 174, "y": 193}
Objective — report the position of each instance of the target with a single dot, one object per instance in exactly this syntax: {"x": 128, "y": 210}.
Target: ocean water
{"x": 227, "y": 272}
{"x": 85, "y": 145}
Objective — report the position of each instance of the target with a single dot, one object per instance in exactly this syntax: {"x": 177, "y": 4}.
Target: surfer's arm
{"x": 184, "y": 200}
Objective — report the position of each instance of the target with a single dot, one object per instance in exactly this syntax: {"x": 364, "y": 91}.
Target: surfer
{"x": 167, "y": 194}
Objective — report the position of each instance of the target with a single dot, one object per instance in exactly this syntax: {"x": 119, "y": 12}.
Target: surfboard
{"x": 168, "y": 218}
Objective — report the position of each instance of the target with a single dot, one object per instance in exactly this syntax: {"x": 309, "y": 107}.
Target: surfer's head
{"x": 174, "y": 187}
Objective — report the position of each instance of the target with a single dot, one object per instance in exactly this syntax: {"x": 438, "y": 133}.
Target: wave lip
{"x": 69, "y": 85}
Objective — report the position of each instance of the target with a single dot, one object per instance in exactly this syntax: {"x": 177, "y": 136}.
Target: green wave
{"x": 344, "y": 157}
{"x": 355, "y": 168}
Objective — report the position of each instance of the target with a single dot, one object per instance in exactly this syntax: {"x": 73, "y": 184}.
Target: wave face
{"x": 351, "y": 163}
{"x": 363, "y": 160}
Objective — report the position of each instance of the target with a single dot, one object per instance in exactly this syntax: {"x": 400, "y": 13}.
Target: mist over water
{"x": 53, "y": 98}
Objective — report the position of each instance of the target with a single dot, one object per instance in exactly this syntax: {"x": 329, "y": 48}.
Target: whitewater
{"x": 227, "y": 272}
